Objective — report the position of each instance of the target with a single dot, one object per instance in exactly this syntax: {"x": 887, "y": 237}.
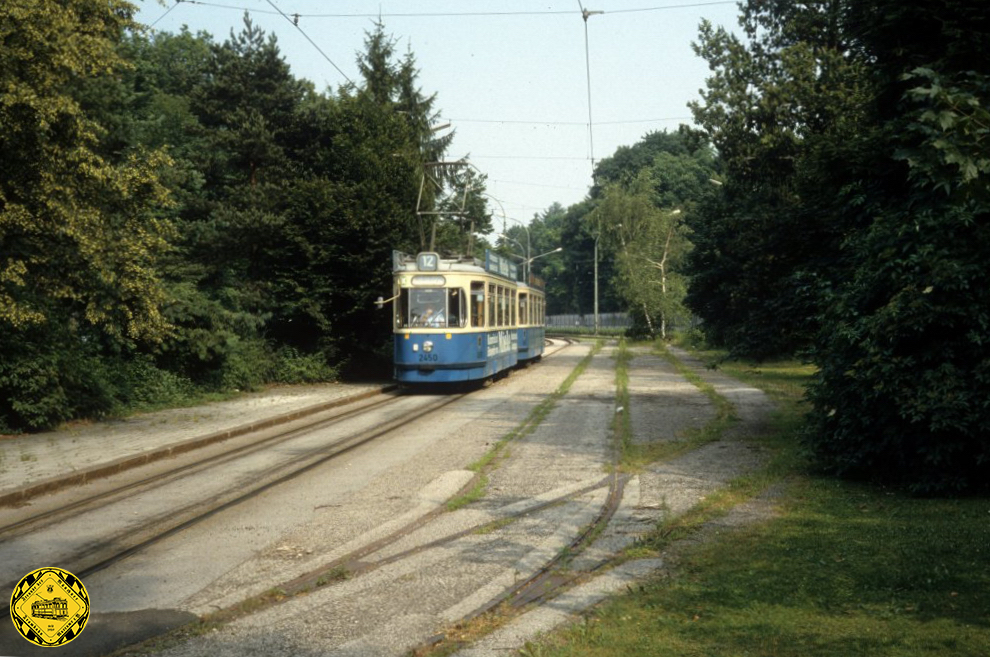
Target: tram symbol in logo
{"x": 53, "y": 619}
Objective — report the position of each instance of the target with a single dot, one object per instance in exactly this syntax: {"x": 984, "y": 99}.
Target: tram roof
{"x": 493, "y": 264}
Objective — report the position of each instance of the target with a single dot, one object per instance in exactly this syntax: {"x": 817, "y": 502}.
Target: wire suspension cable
{"x": 166, "y": 13}
{"x": 295, "y": 23}
{"x": 461, "y": 14}
{"x": 571, "y": 123}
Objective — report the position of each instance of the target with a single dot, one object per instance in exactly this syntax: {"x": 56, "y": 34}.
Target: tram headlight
{"x": 428, "y": 346}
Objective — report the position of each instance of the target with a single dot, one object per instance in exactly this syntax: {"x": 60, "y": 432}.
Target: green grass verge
{"x": 843, "y": 569}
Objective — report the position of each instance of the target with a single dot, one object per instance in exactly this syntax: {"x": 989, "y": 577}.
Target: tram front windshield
{"x": 431, "y": 307}
{"x": 427, "y": 307}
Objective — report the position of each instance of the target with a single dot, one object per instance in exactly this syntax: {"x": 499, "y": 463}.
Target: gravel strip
{"x": 31, "y": 458}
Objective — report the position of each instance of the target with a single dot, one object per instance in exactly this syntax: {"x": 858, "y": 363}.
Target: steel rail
{"x": 114, "y": 549}
{"x": 104, "y": 498}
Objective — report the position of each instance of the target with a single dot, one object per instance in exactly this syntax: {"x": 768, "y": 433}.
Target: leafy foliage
{"x": 763, "y": 252}
{"x": 852, "y": 223}
{"x": 640, "y": 218}
{"x": 72, "y": 225}
{"x": 81, "y": 233}
{"x": 180, "y": 214}
{"x": 903, "y": 389}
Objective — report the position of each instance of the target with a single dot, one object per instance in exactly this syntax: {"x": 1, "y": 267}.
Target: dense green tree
{"x": 668, "y": 171}
{"x": 904, "y": 379}
{"x": 354, "y": 206}
{"x": 393, "y": 85}
{"x": 252, "y": 252}
{"x": 762, "y": 253}
{"x": 853, "y": 222}
{"x": 623, "y": 166}
{"x": 73, "y": 225}
{"x": 464, "y": 214}
{"x": 81, "y": 229}
{"x": 570, "y": 287}
{"x": 542, "y": 235}
{"x": 649, "y": 242}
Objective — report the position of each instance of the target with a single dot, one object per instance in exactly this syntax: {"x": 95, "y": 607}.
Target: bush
{"x": 144, "y": 384}
{"x": 903, "y": 391}
{"x": 292, "y": 366}
{"x": 50, "y": 374}
{"x": 31, "y": 394}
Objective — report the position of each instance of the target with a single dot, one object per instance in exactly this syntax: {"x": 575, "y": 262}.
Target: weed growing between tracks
{"x": 500, "y": 451}
{"x": 842, "y": 569}
{"x": 634, "y": 457}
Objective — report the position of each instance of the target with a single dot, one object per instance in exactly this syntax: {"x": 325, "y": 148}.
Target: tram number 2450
{"x": 423, "y": 358}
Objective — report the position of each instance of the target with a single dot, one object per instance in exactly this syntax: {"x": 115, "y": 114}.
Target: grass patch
{"x": 476, "y": 493}
{"x": 335, "y": 574}
{"x": 494, "y": 526}
{"x": 844, "y": 569}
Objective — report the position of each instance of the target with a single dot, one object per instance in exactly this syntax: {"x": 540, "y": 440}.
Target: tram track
{"x": 97, "y": 555}
{"x": 544, "y": 583}
{"x": 50, "y": 516}
{"x": 537, "y": 588}
{"x": 249, "y": 444}
{"x": 117, "y": 547}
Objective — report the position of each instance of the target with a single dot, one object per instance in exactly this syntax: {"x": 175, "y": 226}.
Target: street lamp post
{"x": 529, "y": 260}
{"x": 522, "y": 259}
{"x": 528, "y": 240}
{"x": 597, "y": 237}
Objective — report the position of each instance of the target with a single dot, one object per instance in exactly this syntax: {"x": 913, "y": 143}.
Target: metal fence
{"x": 605, "y": 320}
{"x": 614, "y": 321}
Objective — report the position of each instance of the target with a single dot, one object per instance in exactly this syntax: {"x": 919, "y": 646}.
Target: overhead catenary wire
{"x": 532, "y": 184}
{"x": 295, "y": 13}
{"x": 454, "y": 14}
{"x": 167, "y": 12}
{"x": 573, "y": 123}
{"x": 295, "y": 23}
{"x": 527, "y": 157}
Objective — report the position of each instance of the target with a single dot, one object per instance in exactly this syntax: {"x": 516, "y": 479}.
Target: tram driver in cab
{"x": 432, "y": 317}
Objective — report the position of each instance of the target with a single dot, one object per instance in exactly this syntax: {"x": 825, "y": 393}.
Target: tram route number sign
{"x": 427, "y": 262}
{"x": 49, "y": 607}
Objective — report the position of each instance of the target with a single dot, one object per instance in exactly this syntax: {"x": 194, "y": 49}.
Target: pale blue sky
{"x": 509, "y": 75}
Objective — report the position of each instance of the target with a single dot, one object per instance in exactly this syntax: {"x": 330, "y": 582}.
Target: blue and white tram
{"x": 461, "y": 319}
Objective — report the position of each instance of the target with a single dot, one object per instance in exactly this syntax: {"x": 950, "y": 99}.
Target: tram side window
{"x": 503, "y": 310}
{"x": 523, "y": 308}
{"x": 498, "y": 305}
{"x": 512, "y": 305}
{"x": 492, "y": 305}
{"x": 457, "y": 316}
{"x": 477, "y": 304}
{"x": 402, "y": 309}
